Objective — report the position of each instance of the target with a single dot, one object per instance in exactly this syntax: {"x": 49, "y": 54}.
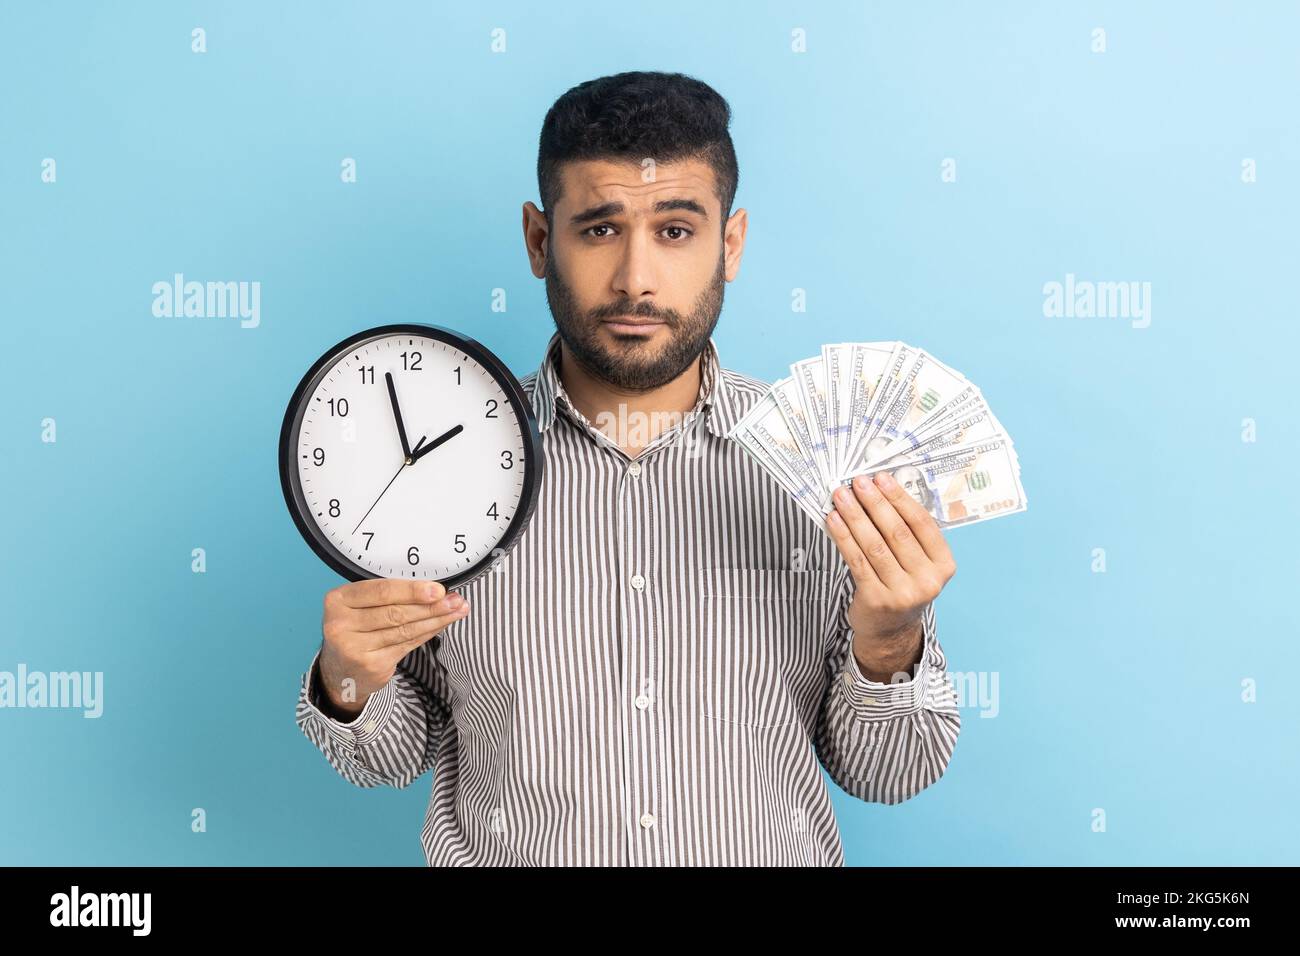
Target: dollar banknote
{"x": 859, "y": 408}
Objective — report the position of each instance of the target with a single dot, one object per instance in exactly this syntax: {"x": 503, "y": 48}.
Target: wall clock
{"x": 410, "y": 451}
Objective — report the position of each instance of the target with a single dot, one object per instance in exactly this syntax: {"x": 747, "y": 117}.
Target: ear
{"x": 536, "y": 239}
{"x": 733, "y": 242}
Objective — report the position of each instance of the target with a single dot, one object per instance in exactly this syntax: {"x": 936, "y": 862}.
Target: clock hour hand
{"x": 397, "y": 414}
{"x": 423, "y": 449}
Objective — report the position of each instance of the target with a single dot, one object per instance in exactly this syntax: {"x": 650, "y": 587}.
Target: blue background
{"x": 1119, "y": 691}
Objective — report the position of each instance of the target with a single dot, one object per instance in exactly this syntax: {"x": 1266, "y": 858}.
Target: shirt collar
{"x": 717, "y": 400}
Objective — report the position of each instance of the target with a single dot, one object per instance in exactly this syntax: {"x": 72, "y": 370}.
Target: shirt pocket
{"x": 759, "y": 642}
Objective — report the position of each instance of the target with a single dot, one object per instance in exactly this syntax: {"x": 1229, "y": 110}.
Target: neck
{"x": 630, "y": 419}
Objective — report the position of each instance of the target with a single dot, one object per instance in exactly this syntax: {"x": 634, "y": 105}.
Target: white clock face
{"x": 435, "y": 511}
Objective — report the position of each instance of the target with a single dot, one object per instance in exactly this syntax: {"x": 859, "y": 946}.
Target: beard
{"x": 632, "y": 369}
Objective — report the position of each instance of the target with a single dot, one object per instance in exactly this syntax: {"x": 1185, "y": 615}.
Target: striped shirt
{"x": 655, "y": 675}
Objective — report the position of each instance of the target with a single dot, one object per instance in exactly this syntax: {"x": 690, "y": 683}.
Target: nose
{"x": 634, "y": 278}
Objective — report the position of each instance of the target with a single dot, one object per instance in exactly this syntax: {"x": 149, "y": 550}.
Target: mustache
{"x": 644, "y": 310}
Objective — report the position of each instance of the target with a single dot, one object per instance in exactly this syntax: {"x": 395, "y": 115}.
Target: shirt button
{"x": 369, "y": 725}
{"x": 638, "y": 581}
{"x": 647, "y": 820}
{"x": 848, "y": 679}
{"x": 634, "y": 469}
{"x": 642, "y": 702}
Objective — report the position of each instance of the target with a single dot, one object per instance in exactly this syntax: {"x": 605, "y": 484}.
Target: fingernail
{"x": 435, "y": 590}
{"x": 861, "y": 481}
{"x": 884, "y": 479}
{"x": 454, "y": 600}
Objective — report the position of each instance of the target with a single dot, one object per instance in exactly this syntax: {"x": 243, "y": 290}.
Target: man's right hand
{"x": 369, "y": 626}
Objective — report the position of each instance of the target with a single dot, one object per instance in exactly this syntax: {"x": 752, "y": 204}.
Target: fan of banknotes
{"x": 863, "y": 407}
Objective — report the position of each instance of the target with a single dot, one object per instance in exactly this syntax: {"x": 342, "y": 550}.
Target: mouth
{"x": 633, "y": 325}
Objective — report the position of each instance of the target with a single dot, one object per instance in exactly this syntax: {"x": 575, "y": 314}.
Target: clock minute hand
{"x": 423, "y": 450}
{"x": 397, "y": 414}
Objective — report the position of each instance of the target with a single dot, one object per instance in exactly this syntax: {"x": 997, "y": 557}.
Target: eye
{"x": 678, "y": 229}
{"x": 588, "y": 231}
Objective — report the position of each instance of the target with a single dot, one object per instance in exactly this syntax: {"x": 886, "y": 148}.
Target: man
{"x": 657, "y": 672}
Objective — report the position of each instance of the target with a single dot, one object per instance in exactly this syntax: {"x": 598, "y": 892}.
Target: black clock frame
{"x": 291, "y": 485}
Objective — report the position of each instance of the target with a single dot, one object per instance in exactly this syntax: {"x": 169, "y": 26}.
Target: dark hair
{"x": 631, "y": 116}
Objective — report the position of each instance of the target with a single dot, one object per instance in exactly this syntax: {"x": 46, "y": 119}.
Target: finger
{"x": 864, "y": 575}
{"x": 869, "y": 539}
{"x": 392, "y": 615}
{"x": 927, "y": 530}
{"x": 380, "y": 591}
{"x": 415, "y": 633}
{"x": 896, "y": 532}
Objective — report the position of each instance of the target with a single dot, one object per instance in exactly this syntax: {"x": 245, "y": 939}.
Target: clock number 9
{"x": 318, "y": 456}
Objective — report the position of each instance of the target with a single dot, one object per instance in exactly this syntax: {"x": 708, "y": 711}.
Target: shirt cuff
{"x": 361, "y": 730}
{"x": 873, "y": 700}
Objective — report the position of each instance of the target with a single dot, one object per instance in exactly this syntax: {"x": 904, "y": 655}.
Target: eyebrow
{"x": 605, "y": 210}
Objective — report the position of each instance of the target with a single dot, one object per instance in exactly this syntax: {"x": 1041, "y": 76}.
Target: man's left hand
{"x": 899, "y": 561}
